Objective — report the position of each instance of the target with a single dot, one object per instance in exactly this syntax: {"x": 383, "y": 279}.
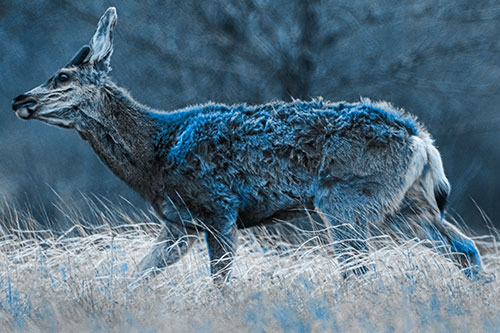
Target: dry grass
{"x": 80, "y": 281}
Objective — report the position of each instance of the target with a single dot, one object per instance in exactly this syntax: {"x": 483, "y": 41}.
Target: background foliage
{"x": 436, "y": 59}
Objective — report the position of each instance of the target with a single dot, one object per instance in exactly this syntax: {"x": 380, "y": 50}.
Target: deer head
{"x": 68, "y": 98}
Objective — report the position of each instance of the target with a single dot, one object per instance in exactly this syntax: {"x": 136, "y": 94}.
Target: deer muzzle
{"x": 24, "y": 106}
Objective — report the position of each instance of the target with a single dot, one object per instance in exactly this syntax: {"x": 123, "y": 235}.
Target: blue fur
{"x": 192, "y": 122}
{"x": 391, "y": 116}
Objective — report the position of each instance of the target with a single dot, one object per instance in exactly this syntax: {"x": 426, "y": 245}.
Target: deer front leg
{"x": 351, "y": 243}
{"x": 172, "y": 243}
{"x": 221, "y": 243}
{"x": 348, "y": 219}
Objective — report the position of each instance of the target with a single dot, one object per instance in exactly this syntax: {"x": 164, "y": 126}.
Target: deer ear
{"x": 101, "y": 44}
{"x": 80, "y": 56}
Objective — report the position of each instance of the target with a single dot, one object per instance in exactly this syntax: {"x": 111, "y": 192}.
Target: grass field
{"x": 80, "y": 280}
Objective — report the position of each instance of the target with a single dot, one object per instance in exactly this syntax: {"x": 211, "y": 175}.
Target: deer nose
{"x": 23, "y": 101}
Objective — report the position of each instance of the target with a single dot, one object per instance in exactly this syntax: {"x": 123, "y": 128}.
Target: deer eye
{"x": 62, "y": 77}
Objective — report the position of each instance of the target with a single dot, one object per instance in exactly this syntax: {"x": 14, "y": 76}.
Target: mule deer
{"x": 215, "y": 168}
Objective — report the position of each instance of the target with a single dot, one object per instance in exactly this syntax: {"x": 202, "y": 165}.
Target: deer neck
{"x": 123, "y": 140}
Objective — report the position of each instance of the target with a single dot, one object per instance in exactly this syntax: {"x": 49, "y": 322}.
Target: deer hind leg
{"x": 420, "y": 216}
{"x": 172, "y": 243}
{"x": 446, "y": 238}
{"x": 455, "y": 244}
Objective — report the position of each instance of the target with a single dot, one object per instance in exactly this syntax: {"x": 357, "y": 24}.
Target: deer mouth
{"x": 26, "y": 111}
{"x": 55, "y": 121}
